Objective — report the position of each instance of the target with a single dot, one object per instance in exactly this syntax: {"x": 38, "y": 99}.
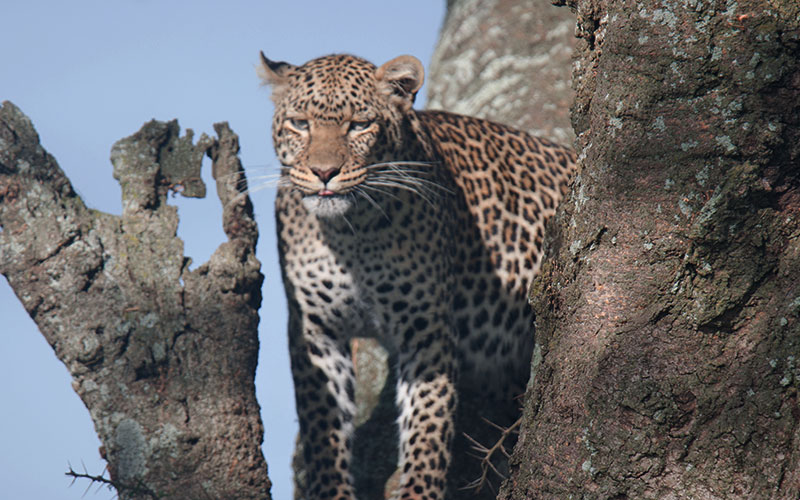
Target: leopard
{"x": 420, "y": 228}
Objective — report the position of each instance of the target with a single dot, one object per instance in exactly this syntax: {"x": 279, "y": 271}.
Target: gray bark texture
{"x": 507, "y": 61}
{"x": 163, "y": 357}
{"x": 668, "y": 313}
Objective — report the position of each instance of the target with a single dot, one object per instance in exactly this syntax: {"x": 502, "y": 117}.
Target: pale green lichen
{"x": 725, "y": 141}
{"x": 686, "y": 146}
{"x": 685, "y": 207}
{"x": 536, "y": 360}
{"x": 702, "y": 175}
{"x": 131, "y": 450}
{"x": 575, "y": 247}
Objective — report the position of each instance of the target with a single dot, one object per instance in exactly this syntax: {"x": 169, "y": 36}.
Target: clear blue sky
{"x": 91, "y": 72}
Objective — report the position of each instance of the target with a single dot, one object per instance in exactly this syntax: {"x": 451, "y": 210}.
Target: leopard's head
{"x": 337, "y": 119}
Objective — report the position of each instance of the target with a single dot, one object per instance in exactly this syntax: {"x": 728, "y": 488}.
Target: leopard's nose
{"x": 325, "y": 174}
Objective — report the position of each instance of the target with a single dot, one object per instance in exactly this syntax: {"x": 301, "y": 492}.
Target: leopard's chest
{"x": 368, "y": 273}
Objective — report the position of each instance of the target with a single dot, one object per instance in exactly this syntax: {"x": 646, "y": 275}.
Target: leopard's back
{"x": 509, "y": 184}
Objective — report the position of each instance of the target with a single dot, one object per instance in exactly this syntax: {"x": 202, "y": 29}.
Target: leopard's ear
{"x": 275, "y": 74}
{"x": 400, "y": 79}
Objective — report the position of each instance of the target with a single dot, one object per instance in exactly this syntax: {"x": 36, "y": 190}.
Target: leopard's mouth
{"x": 326, "y": 192}
{"x": 320, "y": 191}
{"x": 327, "y": 203}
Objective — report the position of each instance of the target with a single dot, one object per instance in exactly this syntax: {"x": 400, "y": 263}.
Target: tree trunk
{"x": 668, "y": 314}
{"x": 163, "y": 357}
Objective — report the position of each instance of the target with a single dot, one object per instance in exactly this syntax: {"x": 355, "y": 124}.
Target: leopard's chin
{"x": 328, "y": 205}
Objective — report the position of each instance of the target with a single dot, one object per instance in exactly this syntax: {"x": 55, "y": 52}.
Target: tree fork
{"x": 162, "y": 356}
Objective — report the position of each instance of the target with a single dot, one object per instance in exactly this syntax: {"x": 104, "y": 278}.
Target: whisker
{"x": 258, "y": 166}
{"x": 419, "y": 186}
{"x": 372, "y": 202}
{"x": 254, "y": 188}
{"x": 400, "y": 185}
{"x": 352, "y": 229}
{"x": 395, "y": 168}
{"x": 405, "y": 171}
{"x": 251, "y": 170}
{"x": 270, "y": 177}
{"x": 402, "y": 164}
{"x": 262, "y": 187}
{"x": 393, "y": 171}
{"x": 378, "y": 190}
{"x": 409, "y": 178}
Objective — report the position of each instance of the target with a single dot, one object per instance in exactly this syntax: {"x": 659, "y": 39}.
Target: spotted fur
{"x": 421, "y": 228}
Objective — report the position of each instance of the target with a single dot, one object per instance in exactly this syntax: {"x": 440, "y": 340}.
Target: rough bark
{"x": 668, "y": 317}
{"x": 507, "y": 61}
{"x": 163, "y": 357}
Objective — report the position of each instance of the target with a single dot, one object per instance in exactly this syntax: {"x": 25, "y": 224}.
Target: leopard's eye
{"x": 298, "y": 123}
{"x": 359, "y": 125}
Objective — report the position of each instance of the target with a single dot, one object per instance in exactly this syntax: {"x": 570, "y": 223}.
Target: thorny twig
{"x": 139, "y": 489}
{"x": 485, "y": 455}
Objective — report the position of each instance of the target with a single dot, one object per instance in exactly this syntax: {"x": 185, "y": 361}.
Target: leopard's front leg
{"x": 324, "y": 392}
{"x": 426, "y": 398}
